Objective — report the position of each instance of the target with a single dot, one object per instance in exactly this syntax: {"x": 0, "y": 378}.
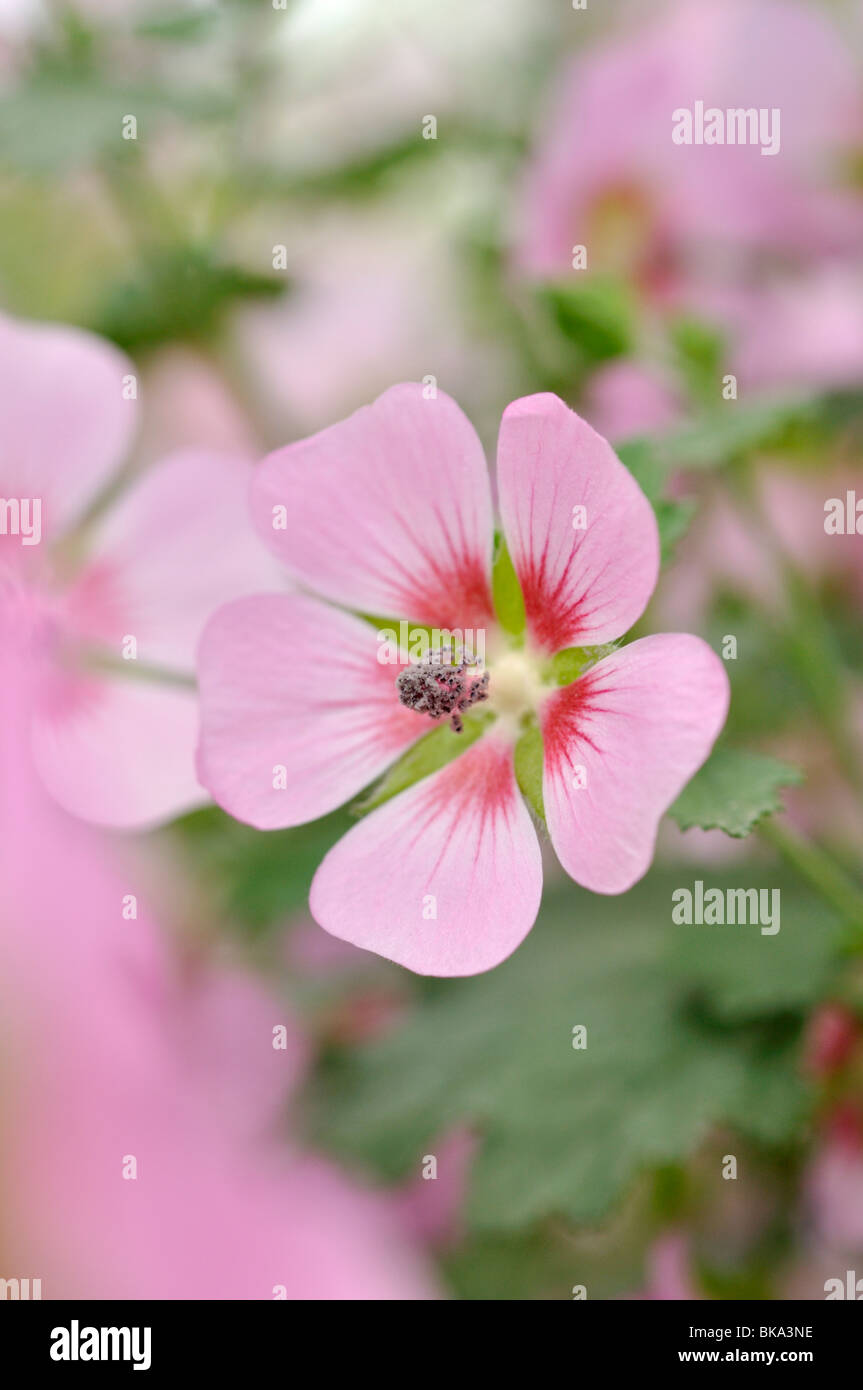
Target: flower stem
{"x": 822, "y": 873}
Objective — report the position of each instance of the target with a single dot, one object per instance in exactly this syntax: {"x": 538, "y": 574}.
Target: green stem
{"x": 108, "y": 664}
{"x": 822, "y": 873}
{"x": 810, "y": 644}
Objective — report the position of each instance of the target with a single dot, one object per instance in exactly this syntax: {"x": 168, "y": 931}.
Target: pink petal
{"x": 638, "y": 725}
{"x": 286, "y": 681}
{"x": 66, "y": 426}
{"x": 119, "y": 752}
{"x": 108, "y": 1047}
{"x": 460, "y": 844}
{"x": 388, "y": 512}
{"x": 176, "y": 546}
{"x": 585, "y": 586}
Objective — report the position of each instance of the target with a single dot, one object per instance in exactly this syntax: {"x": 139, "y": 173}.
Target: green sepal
{"x": 528, "y": 769}
{"x": 432, "y": 752}
{"x": 566, "y": 666}
{"x": 506, "y": 590}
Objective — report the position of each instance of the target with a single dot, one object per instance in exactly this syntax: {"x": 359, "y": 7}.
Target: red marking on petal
{"x": 470, "y": 791}
{"x": 453, "y": 592}
{"x": 563, "y": 719}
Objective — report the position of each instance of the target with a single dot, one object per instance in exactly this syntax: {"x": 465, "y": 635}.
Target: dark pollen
{"x": 446, "y": 683}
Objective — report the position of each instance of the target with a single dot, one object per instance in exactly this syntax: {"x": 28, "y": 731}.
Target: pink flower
{"x": 669, "y": 1270}
{"x": 107, "y": 596}
{"x": 626, "y": 399}
{"x": 834, "y": 1183}
{"x": 432, "y": 1206}
{"x": 803, "y": 332}
{"x": 608, "y": 175}
{"x": 390, "y": 513}
{"x": 143, "y": 1098}
{"x": 831, "y": 1037}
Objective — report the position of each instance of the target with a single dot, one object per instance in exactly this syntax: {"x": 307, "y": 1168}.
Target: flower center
{"x": 451, "y": 680}
{"x": 448, "y": 682}
{"x": 515, "y": 686}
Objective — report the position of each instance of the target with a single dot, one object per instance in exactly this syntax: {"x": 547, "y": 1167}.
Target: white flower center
{"x": 515, "y": 687}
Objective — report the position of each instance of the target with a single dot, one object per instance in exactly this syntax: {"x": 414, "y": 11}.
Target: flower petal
{"x": 173, "y": 548}
{"x": 286, "y": 681}
{"x": 66, "y": 426}
{"x": 581, "y": 586}
{"x": 634, "y": 729}
{"x": 120, "y": 752}
{"x": 388, "y": 512}
{"x": 446, "y": 878}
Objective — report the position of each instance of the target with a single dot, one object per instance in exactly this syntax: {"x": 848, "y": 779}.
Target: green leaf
{"x": 176, "y": 28}
{"x": 673, "y": 519}
{"x": 432, "y": 752}
{"x": 733, "y": 791}
{"x": 506, "y": 590}
{"x": 699, "y": 349}
{"x": 528, "y": 769}
{"x": 178, "y": 293}
{"x": 565, "y": 1132}
{"x": 735, "y": 429}
{"x": 650, "y": 470}
{"x": 745, "y": 975}
{"x": 62, "y": 119}
{"x": 646, "y": 465}
{"x": 596, "y": 314}
{"x": 257, "y": 879}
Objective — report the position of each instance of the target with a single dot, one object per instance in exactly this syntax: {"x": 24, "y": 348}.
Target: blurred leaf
{"x": 175, "y": 27}
{"x": 744, "y": 975}
{"x": 542, "y": 1263}
{"x": 673, "y": 519}
{"x": 178, "y": 293}
{"x": 565, "y": 1131}
{"x": 733, "y": 790}
{"x": 62, "y": 119}
{"x": 646, "y": 464}
{"x": 54, "y": 255}
{"x": 768, "y": 693}
{"x": 596, "y": 314}
{"x": 699, "y": 349}
{"x": 258, "y": 877}
{"x": 650, "y": 470}
{"x": 370, "y": 172}
{"x": 734, "y": 430}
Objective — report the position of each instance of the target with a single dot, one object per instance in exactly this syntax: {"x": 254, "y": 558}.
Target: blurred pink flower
{"x": 831, "y": 1037}
{"x": 432, "y": 1207}
{"x": 766, "y": 247}
{"x": 190, "y": 407}
{"x": 626, "y": 399}
{"x": 299, "y": 714}
{"x": 111, "y": 744}
{"x": 607, "y": 160}
{"x": 834, "y": 1184}
{"x": 803, "y": 332}
{"x": 727, "y": 546}
{"x": 669, "y": 1277}
{"x": 139, "y": 1155}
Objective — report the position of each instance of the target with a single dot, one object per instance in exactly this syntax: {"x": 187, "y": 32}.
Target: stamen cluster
{"x": 448, "y": 682}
